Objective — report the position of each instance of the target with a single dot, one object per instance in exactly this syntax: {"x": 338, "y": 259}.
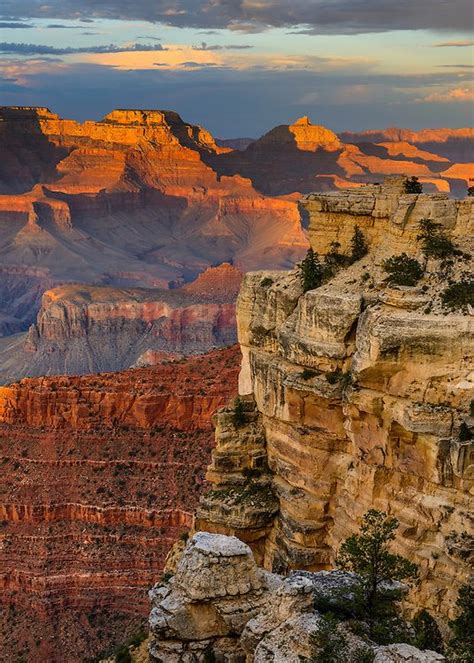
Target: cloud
{"x": 212, "y": 96}
{"x": 14, "y": 25}
{"x": 457, "y": 66}
{"x": 61, "y": 26}
{"x": 216, "y": 47}
{"x": 39, "y": 49}
{"x": 456, "y": 95}
{"x": 313, "y": 16}
{"x": 454, "y": 44}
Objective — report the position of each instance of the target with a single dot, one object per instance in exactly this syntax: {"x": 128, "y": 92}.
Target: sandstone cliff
{"x": 88, "y": 329}
{"x": 358, "y": 394}
{"x": 100, "y": 475}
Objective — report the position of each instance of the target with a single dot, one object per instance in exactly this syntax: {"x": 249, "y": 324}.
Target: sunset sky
{"x": 239, "y": 67}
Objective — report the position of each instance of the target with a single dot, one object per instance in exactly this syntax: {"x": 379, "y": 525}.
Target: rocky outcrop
{"x": 100, "y": 476}
{"x": 362, "y": 397}
{"x": 220, "y": 606}
{"x": 86, "y": 329}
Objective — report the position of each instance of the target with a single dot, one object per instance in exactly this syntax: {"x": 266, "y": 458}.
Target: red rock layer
{"x": 100, "y": 474}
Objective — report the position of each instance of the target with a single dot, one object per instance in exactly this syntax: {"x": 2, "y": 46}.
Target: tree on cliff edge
{"x": 368, "y": 555}
{"x": 311, "y": 272}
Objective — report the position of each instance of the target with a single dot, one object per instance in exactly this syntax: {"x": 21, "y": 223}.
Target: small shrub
{"x": 359, "y": 246}
{"x": 307, "y": 374}
{"x": 184, "y": 536}
{"x": 470, "y": 191}
{"x": 403, "y": 270}
{"x": 239, "y": 413}
{"x": 461, "y": 645}
{"x": 459, "y": 295}
{"x": 434, "y": 241}
{"x": 413, "y": 185}
{"x": 428, "y": 635}
{"x": 311, "y": 272}
{"x": 330, "y": 644}
{"x": 464, "y": 433}
{"x": 123, "y": 655}
{"x": 266, "y": 282}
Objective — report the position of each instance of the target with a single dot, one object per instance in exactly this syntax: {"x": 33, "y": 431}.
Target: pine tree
{"x": 359, "y": 247}
{"x": 311, "y": 272}
{"x": 368, "y": 555}
{"x": 413, "y": 185}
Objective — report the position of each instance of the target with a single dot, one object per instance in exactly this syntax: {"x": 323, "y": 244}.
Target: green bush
{"x": 266, "y": 282}
{"x": 470, "y": 191}
{"x": 457, "y": 296}
{"x": 239, "y": 413}
{"x": 413, "y": 185}
{"x": 461, "y": 645}
{"x": 427, "y": 633}
{"x": 434, "y": 241}
{"x": 123, "y": 655}
{"x": 359, "y": 246}
{"x": 311, "y": 272}
{"x": 330, "y": 645}
{"x": 307, "y": 374}
{"x": 403, "y": 270}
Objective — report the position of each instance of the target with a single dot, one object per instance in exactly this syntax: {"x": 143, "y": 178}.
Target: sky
{"x": 240, "y": 67}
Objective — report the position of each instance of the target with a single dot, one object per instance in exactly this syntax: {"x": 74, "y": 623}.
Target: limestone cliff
{"x": 220, "y": 606}
{"x": 357, "y": 394}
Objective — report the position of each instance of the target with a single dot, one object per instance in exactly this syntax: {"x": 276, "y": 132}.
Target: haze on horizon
{"x": 239, "y": 67}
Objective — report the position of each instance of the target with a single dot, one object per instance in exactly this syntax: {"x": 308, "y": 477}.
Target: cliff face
{"x": 100, "y": 474}
{"x": 87, "y": 329}
{"x": 358, "y": 395}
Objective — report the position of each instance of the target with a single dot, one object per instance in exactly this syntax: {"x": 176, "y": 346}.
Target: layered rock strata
{"x": 87, "y": 329}
{"x": 363, "y": 398}
{"x": 220, "y": 606}
{"x": 100, "y": 475}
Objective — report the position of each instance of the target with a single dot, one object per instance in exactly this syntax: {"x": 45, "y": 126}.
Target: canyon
{"x": 101, "y": 476}
{"x": 141, "y": 202}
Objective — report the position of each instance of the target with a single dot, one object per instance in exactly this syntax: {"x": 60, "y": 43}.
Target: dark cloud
{"x": 14, "y": 25}
{"x": 216, "y": 47}
{"x": 38, "y": 49}
{"x": 314, "y": 16}
{"x": 457, "y": 66}
{"x": 61, "y": 26}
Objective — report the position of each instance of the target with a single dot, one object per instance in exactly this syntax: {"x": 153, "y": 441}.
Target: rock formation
{"x": 100, "y": 475}
{"x": 89, "y": 329}
{"x": 130, "y": 201}
{"x": 356, "y": 394}
{"x": 302, "y": 157}
{"x": 220, "y": 606}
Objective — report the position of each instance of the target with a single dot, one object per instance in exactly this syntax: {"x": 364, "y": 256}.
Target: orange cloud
{"x": 458, "y": 94}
